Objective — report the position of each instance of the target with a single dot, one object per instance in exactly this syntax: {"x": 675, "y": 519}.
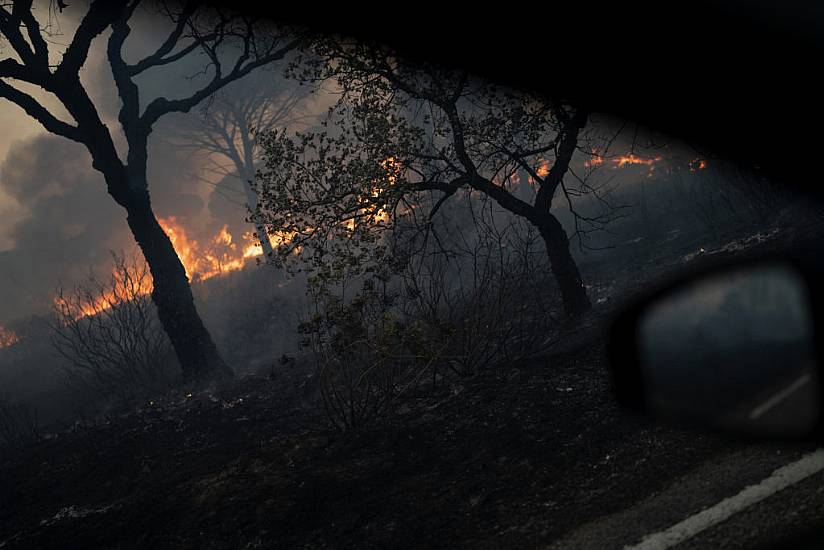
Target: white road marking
{"x": 780, "y": 479}
{"x": 779, "y": 397}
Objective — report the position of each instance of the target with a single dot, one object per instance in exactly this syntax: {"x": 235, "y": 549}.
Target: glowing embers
{"x": 697, "y": 164}
{"x": 632, "y": 159}
{"x": 543, "y": 168}
{"x": 7, "y": 337}
{"x": 622, "y": 161}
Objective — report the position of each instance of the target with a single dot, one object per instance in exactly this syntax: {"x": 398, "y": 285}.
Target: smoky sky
{"x": 58, "y": 221}
{"x": 67, "y": 221}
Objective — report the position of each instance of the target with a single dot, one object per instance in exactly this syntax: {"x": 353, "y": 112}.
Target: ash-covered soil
{"x": 508, "y": 459}
{"x": 512, "y": 458}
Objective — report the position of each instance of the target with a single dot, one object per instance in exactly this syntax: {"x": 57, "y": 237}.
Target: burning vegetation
{"x": 7, "y": 337}
{"x": 697, "y": 164}
{"x": 597, "y": 159}
{"x": 632, "y": 159}
{"x": 107, "y": 332}
{"x": 621, "y": 161}
{"x": 204, "y": 260}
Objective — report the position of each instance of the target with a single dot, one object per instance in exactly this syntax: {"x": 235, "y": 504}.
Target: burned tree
{"x": 225, "y": 130}
{"x": 233, "y": 45}
{"x": 402, "y": 130}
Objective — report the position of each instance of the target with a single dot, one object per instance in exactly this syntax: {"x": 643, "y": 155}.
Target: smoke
{"x": 67, "y": 221}
{"x": 64, "y": 223}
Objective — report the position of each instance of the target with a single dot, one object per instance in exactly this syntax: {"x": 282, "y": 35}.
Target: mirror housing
{"x": 736, "y": 347}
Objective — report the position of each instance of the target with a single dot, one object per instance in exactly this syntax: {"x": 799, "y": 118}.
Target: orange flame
{"x": 203, "y": 261}
{"x": 214, "y": 257}
{"x": 393, "y": 169}
{"x": 597, "y": 159}
{"x": 543, "y": 168}
{"x": 125, "y": 287}
{"x": 542, "y": 171}
{"x": 218, "y": 256}
{"x": 631, "y": 159}
{"x": 372, "y": 213}
{"x": 221, "y": 254}
{"x": 253, "y": 249}
{"x": 7, "y": 337}
{"x": 697, "y": 164}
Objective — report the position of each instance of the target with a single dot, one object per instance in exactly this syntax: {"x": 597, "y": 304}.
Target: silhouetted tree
{"x": 404, "y": 129}
{"x": 233, "y": 45}
{"x": 225, "y": 131}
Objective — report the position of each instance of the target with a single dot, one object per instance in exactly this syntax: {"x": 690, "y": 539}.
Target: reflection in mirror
{"x": 734, "y": 350}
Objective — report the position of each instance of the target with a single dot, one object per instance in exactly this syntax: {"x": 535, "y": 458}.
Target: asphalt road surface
{"x": 741, "y": 501}
{"x": 747, "y": 499}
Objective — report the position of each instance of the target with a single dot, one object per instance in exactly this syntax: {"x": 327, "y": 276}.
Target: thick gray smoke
{"x": 67, "y": 223}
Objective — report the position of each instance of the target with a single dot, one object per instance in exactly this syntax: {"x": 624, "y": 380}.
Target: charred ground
{"x": 515, "y": 456}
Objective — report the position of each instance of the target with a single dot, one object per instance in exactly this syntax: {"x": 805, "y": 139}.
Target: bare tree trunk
{"x": 265, "y": 244}
{"x": 252, "y": 203}
{"x": 126, "y": 181}
{"x": 563, "y": 266}
{"x": 172, "y": 295}
{"x": 249, "y": 173}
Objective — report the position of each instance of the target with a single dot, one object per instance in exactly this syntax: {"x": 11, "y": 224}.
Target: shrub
{"x": 109, "y": 333}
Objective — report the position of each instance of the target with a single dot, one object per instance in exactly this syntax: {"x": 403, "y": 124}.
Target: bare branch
{"x": 10, "y": 68}
{"x": 39, "y": 113}
{"x": 101, "y": 14}
{"x": 159, "y": 56}
{"x": 10, "y": 23}
{"x": 243, "y": 66}
{"x": 22, "y": 10}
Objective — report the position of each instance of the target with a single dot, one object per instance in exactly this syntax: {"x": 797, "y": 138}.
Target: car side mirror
{"x": 734, "y": 348}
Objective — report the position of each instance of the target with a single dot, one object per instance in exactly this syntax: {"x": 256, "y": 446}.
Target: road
{"x": 721, "y": 504}
{"x": 747, "y": 499}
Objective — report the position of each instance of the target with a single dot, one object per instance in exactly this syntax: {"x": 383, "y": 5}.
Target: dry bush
{"x": 366, "y": 357}
{"x": 723, "y": 198}
{"x": 483, "y": 293}
{"x": 476, "y": 295}
{"x": 109, "y": 333}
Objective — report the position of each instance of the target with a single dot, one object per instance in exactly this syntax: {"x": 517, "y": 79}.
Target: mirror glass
{"x": 734, "y": 350}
